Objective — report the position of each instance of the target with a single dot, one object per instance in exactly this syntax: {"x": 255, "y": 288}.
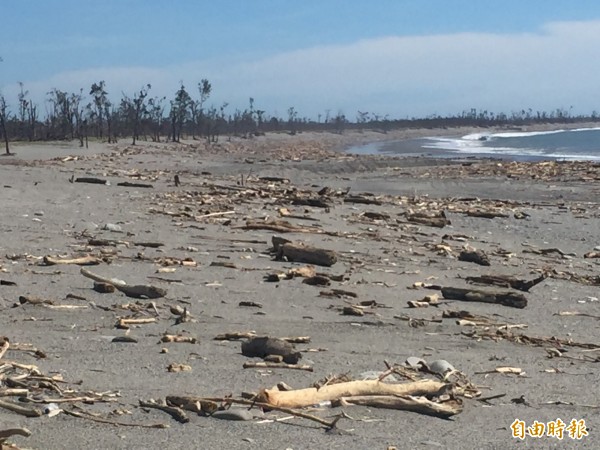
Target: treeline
{"x": 140, "y": 116}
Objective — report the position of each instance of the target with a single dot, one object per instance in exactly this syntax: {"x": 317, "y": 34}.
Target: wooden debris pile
{"x": 27, "y": 391}
{"x": 441, "y": 396}
{"x": 583, "y": 171}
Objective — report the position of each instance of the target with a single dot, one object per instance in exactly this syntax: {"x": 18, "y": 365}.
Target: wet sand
{"x": 44, "y": 214}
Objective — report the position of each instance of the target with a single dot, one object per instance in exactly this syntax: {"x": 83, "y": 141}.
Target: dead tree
{"x": 3, "y": 118}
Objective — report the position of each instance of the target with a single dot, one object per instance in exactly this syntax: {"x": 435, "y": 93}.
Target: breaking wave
{"x": 576, "y": 144}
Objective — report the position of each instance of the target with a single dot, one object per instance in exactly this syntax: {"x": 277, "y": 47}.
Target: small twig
{"x": 84, "y": 399}
{"x": 269, "y": 365}
{"x": 390, "y": 369}
{"x": 491, "y": 397}
{"x": 215, "y": 214}
{"x": 113, "y": 422}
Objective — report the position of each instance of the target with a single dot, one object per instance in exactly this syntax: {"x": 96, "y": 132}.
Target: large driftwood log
{"x": 419, "y": 405}
{"x": 302, "y": 398}
{"x": 133, "y": 291}
{"x": 507, "y": 281}
{"x": 306, "y": 254}
{"x": 506, "y": 298}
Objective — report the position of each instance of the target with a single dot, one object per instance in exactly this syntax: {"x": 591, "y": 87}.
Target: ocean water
{"x": 578, "y": 144}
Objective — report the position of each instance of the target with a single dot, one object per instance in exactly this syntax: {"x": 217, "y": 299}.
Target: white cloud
{"x": 552, "y": 67}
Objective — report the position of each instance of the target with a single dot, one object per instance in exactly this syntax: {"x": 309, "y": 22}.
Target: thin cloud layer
{"x": 554, "y": 67}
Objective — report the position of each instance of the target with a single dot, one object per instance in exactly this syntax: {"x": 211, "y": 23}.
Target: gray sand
{"x": 44, "y": 214}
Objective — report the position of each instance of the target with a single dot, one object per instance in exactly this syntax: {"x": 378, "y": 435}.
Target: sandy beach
{"x": 528, "y": 219}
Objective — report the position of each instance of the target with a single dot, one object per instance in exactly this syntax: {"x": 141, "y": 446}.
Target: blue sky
{"x": 401, "y": 58}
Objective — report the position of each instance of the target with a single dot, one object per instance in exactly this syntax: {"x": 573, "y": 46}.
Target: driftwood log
{"x": 419, "y": 405}
{"x": 91, "y": 180}
{"x": 275, "y": 179}
{"x": 485, "y": 214}
{"x": 314, "y": 202}
{"x": 362, "y": 199}
{"x": 133, "y": 291}
{"x": 81, "y": 261}
{"x": 4, "y": 434}
{"x": 301, "y": 398}
{"x": 507, "y": 281}
{"x": 135, "y": 185}
{"x": 437, "y": 221}
{"x": 297, "y": 252}
{"x": 506, "y": 298}
{"x": 278, "y": 226}
{"x": 22, "y": 410}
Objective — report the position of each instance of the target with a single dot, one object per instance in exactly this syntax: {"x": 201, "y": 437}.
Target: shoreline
{"x": 310, "y": 145}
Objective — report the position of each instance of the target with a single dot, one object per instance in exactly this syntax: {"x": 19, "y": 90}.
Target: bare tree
{"x": 156, "y": 110}
{"x": 134, "y": 108}
{"x": 3, "y": 119}
{"x": 292, "y": 118}
{"x": 78, "y": 114}
{"x": 62, "y": 114}
{"x": 102, "y": 105}
{"x": 180, "y": 112}
{"x": 197, "y": 106}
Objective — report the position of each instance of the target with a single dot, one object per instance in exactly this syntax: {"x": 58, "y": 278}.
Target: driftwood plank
{"x": 362, "y": 199}
{"x": 507, "y": 281}
{"x": 506, "y": 298}
{"x": 314, "y": 202}
{"x": 306, "y": 254}
{"x": 135, "y": 185}
{"x": 91, "y": 180}
{"x": 437, "y": 221}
